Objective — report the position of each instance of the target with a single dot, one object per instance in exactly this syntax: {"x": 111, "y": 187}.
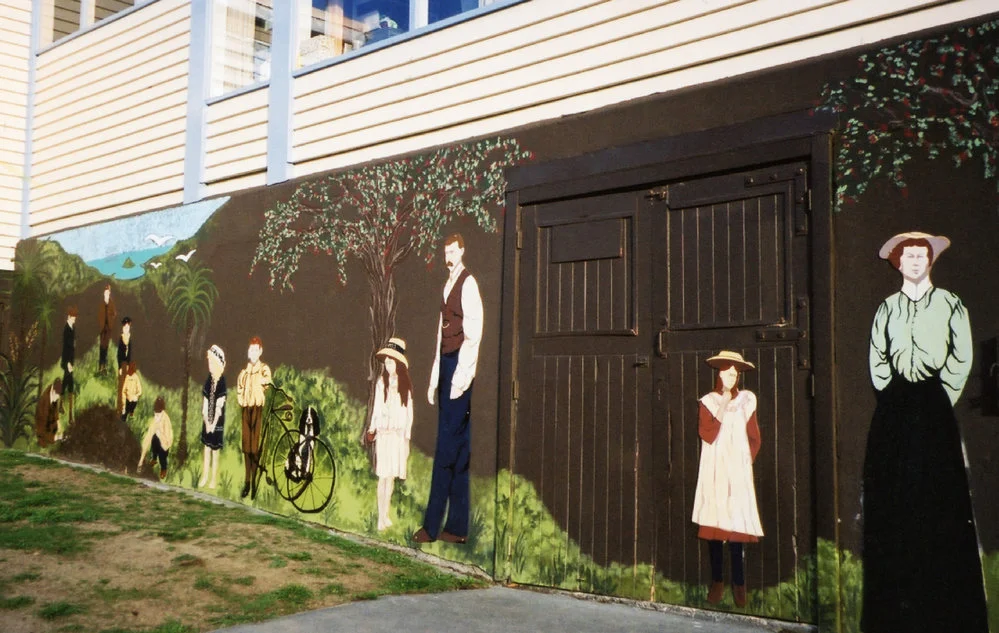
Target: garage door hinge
{"x": 520, "y": 239}
{"x": 516, "y": 389}
{"x": 811, "y": 384}
{"x": 658, "y": 194}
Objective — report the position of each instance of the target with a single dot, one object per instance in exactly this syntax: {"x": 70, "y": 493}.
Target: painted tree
{"x": 938, "y": 96}
{"x": 44, "y": 313}
{"x": 18, "y": 380}
{"x": 31, "y": 298}
{"x": 33, "y": 276}
{"x": 381, "y": 214}
{"x": 191, "y": 295}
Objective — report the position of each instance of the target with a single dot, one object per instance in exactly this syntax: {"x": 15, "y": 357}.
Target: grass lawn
{"x": 94, "y": 552}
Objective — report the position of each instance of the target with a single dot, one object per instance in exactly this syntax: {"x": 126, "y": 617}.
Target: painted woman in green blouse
{"x": 922, "y": 570}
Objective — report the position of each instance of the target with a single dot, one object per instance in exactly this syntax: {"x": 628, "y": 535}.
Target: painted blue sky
{"x": 131, "y": 235}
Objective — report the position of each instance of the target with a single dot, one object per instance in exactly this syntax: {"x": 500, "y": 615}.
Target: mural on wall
{"x": 391, "y": 425}
{"x": 381, "y": 214}
{"x": 725, "y": 497}
{"x": 124, "y": 358}
{"x": 158, "y": 438}
{"x": 190, "y": 295}
{"x": 917, "y": 509}
{"x": 66, "y": 362}
{"x": 922, "y": 99}
{"x": 456, "y": 354}
{"x": 250, "y": 386}
{"x": 936, "y": 96}
{"x": 160, "y": 280}
{"x": 106, "y": 320}
{"x": 213, "y": 397}
{"x": 180, "y": 276}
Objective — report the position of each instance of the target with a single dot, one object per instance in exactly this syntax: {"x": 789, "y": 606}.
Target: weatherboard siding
{"x": 236, "y": 143}
{"x": 15, "y": 44}
{"x": 111, "y": 103}
{"x": 110, "y": 119}
{"x": 543, "y": 60}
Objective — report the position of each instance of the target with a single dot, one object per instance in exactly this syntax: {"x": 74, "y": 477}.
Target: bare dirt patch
{"x": 155, "y": 556}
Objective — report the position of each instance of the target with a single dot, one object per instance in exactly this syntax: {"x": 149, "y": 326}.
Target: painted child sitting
{"x": 158, "y": 437}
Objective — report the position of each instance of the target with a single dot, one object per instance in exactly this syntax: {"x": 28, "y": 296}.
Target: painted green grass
{"x": 534, "y": 550}
{"x": 353, "y": 507}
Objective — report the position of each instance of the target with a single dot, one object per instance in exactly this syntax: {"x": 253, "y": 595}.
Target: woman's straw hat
{"x": 395, "y": 349}
{"x": 938, "y": 242}
{"x": 726, "y": 358}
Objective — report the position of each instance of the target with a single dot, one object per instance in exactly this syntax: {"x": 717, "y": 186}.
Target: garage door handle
{"x": 661, "y": 344}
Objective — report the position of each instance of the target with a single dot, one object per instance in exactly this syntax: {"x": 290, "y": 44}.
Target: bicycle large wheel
{"x": 287, "y": 477}
{"x": 320, "y": 480}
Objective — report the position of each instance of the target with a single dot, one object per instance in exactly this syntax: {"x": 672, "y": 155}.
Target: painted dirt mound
{"x": 98, "y": 436}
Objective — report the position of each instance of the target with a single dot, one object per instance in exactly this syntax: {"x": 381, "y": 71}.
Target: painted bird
{"x": 157, "y": 240}
{"x": 187, "y": 257}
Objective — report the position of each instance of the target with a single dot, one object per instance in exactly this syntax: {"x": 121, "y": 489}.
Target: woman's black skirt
{"x": 922, "y": 570}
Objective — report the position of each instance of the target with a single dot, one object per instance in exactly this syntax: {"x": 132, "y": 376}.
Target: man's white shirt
{"x": 468, "y": 354}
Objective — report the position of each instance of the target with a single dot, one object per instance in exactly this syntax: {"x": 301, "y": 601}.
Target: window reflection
{"x": 241, "y": 44}
{"x": 328, "y": 28}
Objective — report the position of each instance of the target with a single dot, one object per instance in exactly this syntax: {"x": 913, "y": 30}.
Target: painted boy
{"x": 250, "y": 385}
{"x": 47, "y": 415}
{"x": 68, "y": 358}
{"x": 130, "y": 391}
{"x": 158, "y": 438}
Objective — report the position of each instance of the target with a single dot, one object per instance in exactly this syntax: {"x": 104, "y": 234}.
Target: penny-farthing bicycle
{"x": 296, "y": 461}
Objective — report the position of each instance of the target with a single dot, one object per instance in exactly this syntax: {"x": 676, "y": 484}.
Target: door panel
{"x": 734, "y": 276}
{"x": 584, "y": 404}
{"x": 621, "y": 299}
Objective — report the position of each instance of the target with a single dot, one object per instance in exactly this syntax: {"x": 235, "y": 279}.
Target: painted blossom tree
{"x": 938, "y": 96}
{"x": 381, "y": 214}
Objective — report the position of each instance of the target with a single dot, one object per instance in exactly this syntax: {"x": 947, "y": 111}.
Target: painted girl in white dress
{"x": 391, "y": 424}
{"x": 725, "y": 500}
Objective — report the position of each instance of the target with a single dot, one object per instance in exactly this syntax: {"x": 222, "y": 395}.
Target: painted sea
{"x": 130, "y": 265}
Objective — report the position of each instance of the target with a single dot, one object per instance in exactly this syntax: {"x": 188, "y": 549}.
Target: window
{"x": 327, "y": 28}
{"x": 59, "y": 19}
{"x": 107, "y": 8}
{"x": 241, "y": 44}
{"x": 63, "y": 17}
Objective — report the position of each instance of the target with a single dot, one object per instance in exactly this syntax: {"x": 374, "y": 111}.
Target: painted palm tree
{"x": 33, "y": 273}
{"x": 17, "y": 397}
{"x": 191, "y": 296}
{"x": 44, "y": 311}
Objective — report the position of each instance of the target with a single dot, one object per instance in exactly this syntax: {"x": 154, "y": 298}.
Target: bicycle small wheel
{"x": 319, "y": 480}
{"x": 286, "y": 467}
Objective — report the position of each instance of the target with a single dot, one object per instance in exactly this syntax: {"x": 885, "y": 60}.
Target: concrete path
{"x": 501, "y": 609}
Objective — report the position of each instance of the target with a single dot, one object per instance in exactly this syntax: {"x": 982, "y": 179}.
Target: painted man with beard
{"x": 459, "y": 332}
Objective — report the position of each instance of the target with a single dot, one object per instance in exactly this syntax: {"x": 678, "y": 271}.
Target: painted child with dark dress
{"x": 213, "y": 416}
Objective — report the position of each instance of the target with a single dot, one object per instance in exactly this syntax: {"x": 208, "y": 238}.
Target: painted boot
{"x": 716, "y": 592}
{"x": 739, "y": 595}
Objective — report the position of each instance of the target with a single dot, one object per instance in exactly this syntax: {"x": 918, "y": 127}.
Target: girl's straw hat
{"x": 726, "y": 358}
{"x": 395, "y": 349}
